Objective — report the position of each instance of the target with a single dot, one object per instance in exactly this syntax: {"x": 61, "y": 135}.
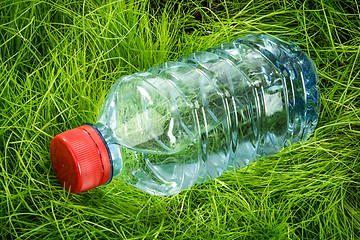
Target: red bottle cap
{"x": 80, "y": 159}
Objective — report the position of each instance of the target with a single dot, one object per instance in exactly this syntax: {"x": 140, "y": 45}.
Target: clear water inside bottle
{"x": 188, "y": 121}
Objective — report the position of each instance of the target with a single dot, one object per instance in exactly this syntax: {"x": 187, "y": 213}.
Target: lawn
{"x": 58, "y": 60}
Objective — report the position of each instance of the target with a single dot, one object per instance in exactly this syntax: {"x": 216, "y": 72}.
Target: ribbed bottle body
{"x": 188, "y": 121}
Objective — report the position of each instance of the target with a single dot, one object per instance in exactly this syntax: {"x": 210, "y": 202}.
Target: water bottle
{"x": 187, "y": 121}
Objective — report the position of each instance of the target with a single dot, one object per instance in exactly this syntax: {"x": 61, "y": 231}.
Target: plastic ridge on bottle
{"x": 187, "y": 121}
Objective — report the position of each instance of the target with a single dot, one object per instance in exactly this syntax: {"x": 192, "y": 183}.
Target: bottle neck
{"x": 112, "y": 147}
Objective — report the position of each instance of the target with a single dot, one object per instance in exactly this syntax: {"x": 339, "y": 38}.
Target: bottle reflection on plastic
{"x": 188, "y": 121}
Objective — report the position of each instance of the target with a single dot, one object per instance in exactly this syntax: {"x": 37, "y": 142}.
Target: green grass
{"x": 58, "y": 59}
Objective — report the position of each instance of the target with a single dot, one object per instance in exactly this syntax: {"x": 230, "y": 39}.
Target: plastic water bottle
{"x": 188, "y": 121}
